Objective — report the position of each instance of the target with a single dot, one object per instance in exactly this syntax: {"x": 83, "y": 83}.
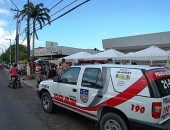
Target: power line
{"x": 56, "y": 4}
{"x": 51, "y": 2}
{"x": 59, "y": 10}
{"x": 65, "y": 13}
{"x": 23, "y": 40}
{"x": 14, "y": 4}
{"x": 61, "y": 14}
{"x": 22, "y": 31}
{"x": 63, "y": 8}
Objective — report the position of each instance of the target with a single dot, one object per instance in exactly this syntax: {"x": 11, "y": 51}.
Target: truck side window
{"x": 70, "y": 76}
{"x": 92, "y": 78}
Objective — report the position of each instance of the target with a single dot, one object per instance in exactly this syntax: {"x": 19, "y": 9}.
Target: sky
{"x": 86, "y": 26}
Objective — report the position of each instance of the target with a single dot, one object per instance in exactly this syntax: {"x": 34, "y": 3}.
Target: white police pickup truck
{"x": 119, "y": 97}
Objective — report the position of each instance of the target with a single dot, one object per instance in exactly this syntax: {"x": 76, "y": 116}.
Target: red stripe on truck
{"x": 124, "y": 96}
{"x": 157, "y": 74}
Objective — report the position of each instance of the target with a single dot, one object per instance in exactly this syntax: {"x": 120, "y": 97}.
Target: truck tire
{"x": 47, "y": 103}
{"x": 112, "y": 121}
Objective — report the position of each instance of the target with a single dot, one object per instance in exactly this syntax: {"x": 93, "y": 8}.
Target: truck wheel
{"x": 112, "y": 121}
{"x": 47, "y": 103}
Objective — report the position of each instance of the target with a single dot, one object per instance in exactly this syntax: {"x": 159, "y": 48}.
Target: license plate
{"x": 166, "y": 105}
{"x": 13, "y": 78}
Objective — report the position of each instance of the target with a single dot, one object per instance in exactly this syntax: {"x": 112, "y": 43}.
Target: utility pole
{"x": 17, "y": 34}
{"x": 28, "y": 41}
{"x": 17, "y": 39}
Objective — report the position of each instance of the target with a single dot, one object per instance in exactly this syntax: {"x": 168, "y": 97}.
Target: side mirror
{"x": 56, "y": 78}
{"x": 65, "y": 80}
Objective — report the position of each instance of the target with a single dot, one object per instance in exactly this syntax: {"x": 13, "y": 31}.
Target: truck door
{"x": 89, "y": 92}
{"x": 68, "y": 87}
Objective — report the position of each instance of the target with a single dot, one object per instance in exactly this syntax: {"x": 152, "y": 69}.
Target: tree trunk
{"x": 33, "y": 41}
{"x": 28, "y": 42}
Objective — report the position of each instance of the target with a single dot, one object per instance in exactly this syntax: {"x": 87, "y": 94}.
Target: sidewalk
{"x": 29, "y": 82}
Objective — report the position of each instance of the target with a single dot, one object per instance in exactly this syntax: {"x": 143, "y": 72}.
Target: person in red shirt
{"x": 14, "y": 74}
{"x": 14, "y": 71}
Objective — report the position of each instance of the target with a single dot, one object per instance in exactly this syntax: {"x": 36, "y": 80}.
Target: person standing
{"x": 64, "y": 65}
{"x": 38, "y": 73}
{"x": 43, "y": 72}
{"x": 52, "y": 72}
{"x": 19, "y": 67}
{"x": 32, "y": 68}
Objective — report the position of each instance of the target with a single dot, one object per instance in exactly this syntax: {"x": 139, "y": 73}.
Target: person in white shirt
{"x": 19, "y": 67}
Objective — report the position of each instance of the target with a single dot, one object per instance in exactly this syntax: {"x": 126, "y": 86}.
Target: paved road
{"x": 20, "y": 109}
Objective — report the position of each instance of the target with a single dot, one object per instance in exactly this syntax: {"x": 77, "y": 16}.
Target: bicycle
{"x": 14, "y": 82}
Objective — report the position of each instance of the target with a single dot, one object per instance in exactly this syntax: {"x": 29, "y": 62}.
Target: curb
{"x": 29, "y": 85}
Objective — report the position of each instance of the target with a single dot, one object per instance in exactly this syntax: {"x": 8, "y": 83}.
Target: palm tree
{"x": 38, "y": 14}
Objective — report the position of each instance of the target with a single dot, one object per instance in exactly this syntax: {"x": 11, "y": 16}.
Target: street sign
{"x": 51, "y": 47}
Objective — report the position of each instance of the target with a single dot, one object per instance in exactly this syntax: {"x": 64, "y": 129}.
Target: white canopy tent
{"x": 168, "y": 52}
{"x": 108, "y": 54}
{"x": 77, "y": 56}
{"x": 153, "y": 52}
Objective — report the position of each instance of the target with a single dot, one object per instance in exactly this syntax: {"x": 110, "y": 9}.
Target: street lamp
{"x": 10, "y": 50}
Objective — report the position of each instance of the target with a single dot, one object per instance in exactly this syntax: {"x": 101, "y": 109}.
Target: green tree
{"x": 38, "y": 14}
{"x": 22, "y": 53}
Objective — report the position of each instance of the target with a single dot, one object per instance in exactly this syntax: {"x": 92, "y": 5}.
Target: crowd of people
{"x": 41, "y": 70}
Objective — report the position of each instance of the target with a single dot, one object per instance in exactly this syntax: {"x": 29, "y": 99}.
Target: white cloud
{"x": 11, "y": 35}
{"x": 2, "y": 32}
{"x": 23, "y": 42}
{"x": 38, "y": 43}
{"x": 3, "y": 23}
{"x": 103, "y": 33}
{"x": 6, "y": 35}
{"x": 4, "y": 11}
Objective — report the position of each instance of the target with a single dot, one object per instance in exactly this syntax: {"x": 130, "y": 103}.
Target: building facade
{"x": 53, "y": 50}
{"x": 138, "y": 42}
